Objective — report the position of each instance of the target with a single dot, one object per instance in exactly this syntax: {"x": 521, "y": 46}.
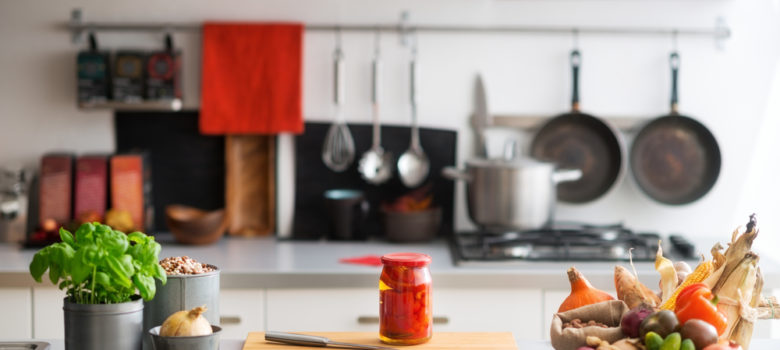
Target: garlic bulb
{"x": 186, "y": 323}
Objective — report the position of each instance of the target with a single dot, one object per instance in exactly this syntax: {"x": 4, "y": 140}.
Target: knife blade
{"x": 481, "y": 117}
{"x": 313, "y": 340}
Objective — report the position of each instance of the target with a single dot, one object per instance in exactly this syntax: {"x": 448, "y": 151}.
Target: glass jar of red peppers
{"x": 405, "y": 312}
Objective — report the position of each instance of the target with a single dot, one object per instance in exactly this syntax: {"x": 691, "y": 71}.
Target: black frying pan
{"x": 675, "y": 159}
{"x": 580, "y": 141}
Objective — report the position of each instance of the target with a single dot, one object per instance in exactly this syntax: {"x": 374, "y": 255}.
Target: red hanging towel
{"x": 251, "y": 78}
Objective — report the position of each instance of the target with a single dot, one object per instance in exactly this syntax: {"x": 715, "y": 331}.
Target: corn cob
{"x": 701, "y": 272}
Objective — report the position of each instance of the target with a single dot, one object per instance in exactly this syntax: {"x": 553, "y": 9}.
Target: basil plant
{"x": 100, "y": 265}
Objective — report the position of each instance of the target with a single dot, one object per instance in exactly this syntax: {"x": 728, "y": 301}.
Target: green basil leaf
{"x": 39, "y": 264}
{"x": 145, "y": 285}
{"x": 67, "y": 237}
{"x": 84, "y": 235}
{"x": 55, "y": 271}
{"x": 120, "y": 266}
{"x": 104, "y": 280}
{"x": 160, "y": 274}
{"x": 92, "y": 255}
{"x": 114, "y": 242}
{"x": 151, "y": 251}
{"x": 79, "y": 271}
{"x": 137, "y": 237}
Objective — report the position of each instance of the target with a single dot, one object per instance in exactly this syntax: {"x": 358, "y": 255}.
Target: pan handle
{"x": 575, "y": 81}
{"x": 566, "y": 175}
{"x": 674, "y": 62}
{"x": 456, "y": 174}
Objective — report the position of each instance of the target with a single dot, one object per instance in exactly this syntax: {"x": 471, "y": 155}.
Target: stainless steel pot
{"x": 506, "y": 193}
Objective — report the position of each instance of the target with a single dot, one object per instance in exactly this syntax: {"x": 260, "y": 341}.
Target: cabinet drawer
{"x": 489, "y": 310}
{"x": 16, "y": 304}
{"x": 241, "y": 311}
{"x": 455, "y": 310}
{"x": 48, "y": 319}
{"x": 323, "y": 310}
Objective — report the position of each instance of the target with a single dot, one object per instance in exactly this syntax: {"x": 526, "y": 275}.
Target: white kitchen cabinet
{"x": 322, "y": 310}
{"x": 48, "y": 319}
{"x": 349, "y": 309}
{"x": 241, "y": 311}
{"x": 16, "y": 304}
{"x": 552, "y": 301}
{"x": 489, "y": 310}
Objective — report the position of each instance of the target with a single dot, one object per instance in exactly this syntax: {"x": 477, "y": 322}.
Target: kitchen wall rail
{"x": 720, "y": 31}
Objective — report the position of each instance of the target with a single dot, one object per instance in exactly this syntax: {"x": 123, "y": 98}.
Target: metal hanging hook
{"x": 377, "y": 39}
{"x": 575, "y": 38}
{"x": 337, "y": 53}
{"x": 403, "y": 28}
{"x": 413, "y": 43}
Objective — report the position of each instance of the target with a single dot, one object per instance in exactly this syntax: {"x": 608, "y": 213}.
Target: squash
{"x": 582, "y": 292}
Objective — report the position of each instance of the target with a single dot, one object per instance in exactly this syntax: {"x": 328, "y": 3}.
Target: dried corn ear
{"x": 702, "y": 271}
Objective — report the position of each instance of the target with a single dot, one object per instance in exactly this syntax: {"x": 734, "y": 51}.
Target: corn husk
{"x": 768, "y": 308}
{"x": 737, "y": 292}
{"x": 665, "y": 268}
{"x": 737, "y": 283}
{"x": 743, "y": 329}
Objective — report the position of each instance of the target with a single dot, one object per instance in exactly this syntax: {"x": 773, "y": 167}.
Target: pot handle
{"x": 566, "y": 175}
{"x": 456, "y": 174}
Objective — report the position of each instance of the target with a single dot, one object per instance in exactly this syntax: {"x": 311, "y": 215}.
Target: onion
{"x": 632, "y": 319}
{"x": 186, "y": 323}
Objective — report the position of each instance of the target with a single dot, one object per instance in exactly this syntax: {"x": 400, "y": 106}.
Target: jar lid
{"x": 406, "y": 259}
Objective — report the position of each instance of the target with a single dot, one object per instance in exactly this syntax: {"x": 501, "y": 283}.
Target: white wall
{"x": 728, "y": 90}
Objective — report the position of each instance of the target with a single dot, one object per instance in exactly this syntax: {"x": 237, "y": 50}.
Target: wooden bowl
{"x": 194, "y": 226}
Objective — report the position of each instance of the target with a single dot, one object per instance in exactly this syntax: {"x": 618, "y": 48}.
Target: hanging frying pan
{"x": 675, "y": 159}
{"x": 577, "y": 140}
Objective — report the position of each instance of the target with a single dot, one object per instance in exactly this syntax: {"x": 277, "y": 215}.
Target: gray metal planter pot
{"x": 183, "y": 292}
{"x": 103, "y": 326}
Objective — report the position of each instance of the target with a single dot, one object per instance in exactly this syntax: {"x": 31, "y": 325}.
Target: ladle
{"x": 376, "y": 165}
{"x": 413, "y": 165}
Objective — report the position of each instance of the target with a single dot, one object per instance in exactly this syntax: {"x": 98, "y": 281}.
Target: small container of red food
{"x": 405, "y": 311}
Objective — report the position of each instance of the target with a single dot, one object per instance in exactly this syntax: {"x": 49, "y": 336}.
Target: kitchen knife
{"x": 481, "y": 117}
{"x": 312, "y": 340}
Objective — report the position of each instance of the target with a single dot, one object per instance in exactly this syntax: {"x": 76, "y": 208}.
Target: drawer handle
{"x": 375, "y": 320}
{"x": 228, "y": 320}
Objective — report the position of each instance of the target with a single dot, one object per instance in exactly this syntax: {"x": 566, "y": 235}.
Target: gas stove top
{"x": 570, "y": 242}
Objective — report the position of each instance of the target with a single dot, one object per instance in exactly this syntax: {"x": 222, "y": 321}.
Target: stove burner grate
{"x": 561, "y": 242}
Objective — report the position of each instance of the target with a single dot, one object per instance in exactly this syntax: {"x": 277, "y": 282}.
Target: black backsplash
{"x": 313, "y": 178}
{"x": 187, "y": 167}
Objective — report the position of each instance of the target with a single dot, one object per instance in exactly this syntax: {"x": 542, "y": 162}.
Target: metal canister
{"x": 183, "y": 292}
{"x": 103, "y": 326}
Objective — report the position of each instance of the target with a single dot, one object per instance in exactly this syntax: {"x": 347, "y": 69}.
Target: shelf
{"x": 158, "y": 105}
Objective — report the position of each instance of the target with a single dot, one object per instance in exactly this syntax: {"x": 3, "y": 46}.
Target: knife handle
{"x": 297, "y": 339}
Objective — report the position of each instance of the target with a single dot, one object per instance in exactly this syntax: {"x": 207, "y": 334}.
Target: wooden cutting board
{"x": 440, "y": 340}
{"x": 250, "y": 191}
